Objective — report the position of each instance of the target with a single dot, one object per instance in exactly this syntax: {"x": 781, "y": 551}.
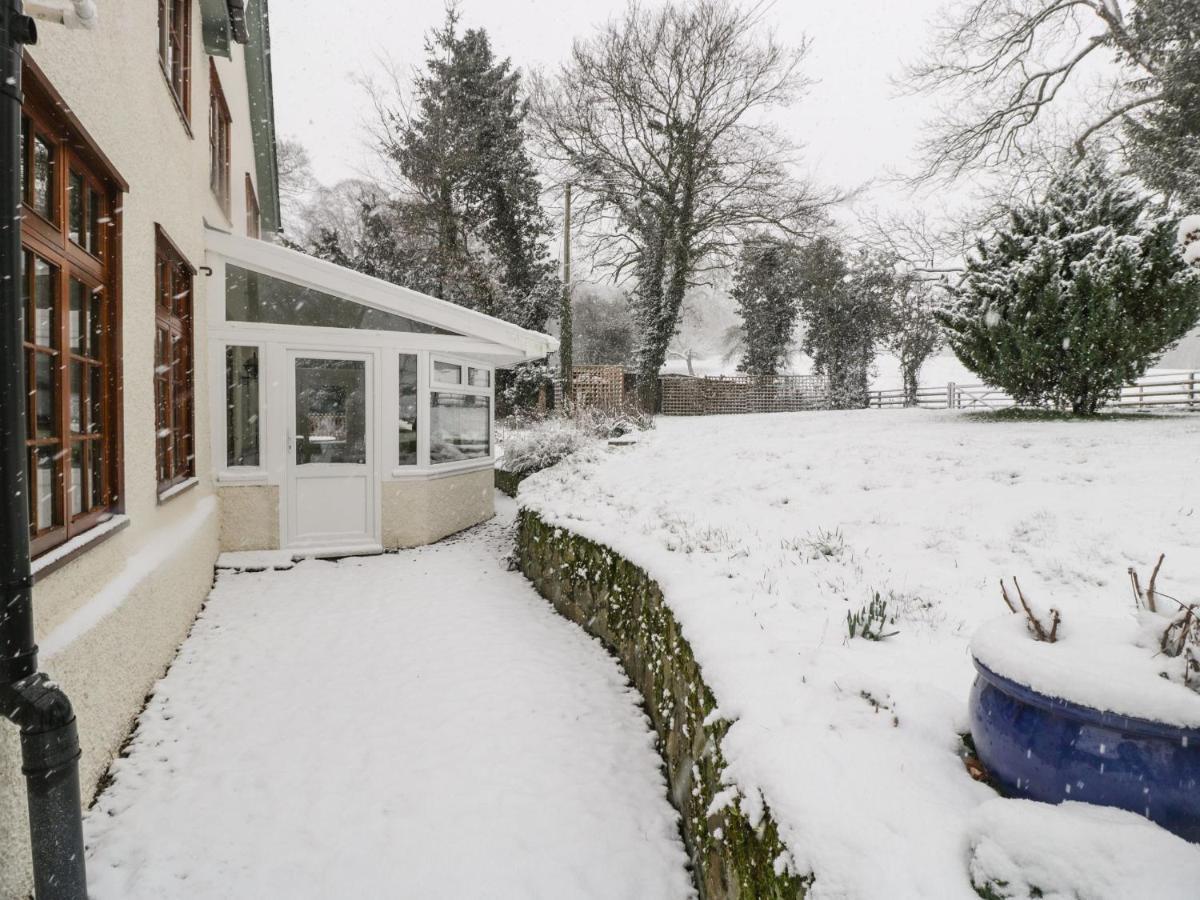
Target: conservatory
{"x": 348, "y": 414}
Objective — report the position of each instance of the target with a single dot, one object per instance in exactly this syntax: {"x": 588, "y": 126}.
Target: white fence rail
{"x": 1179, "y": 389}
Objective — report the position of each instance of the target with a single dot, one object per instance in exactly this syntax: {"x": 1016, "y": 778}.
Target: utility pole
{"x": 28, "y": 698}
{"x": 565, "y": 362}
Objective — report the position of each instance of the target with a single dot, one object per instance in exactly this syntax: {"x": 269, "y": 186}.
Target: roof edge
{"x": 323, "y": 275}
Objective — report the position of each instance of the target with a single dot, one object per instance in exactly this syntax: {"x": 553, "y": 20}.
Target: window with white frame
{"x": 460, "y": 412}
{"x": 407, "y": 410}
{"x": 242, "y": 440}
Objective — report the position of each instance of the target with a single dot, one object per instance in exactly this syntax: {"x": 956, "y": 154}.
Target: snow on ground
{"x": 764, "y": 531}
{"x": 419, "y": 724}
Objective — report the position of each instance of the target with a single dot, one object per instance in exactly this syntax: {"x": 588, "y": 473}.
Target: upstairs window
{"x": 219, "y": 122}
{"x": 175, "y": 51}
{"x": 173, "y": 365}
{"x": 253, "y": 213}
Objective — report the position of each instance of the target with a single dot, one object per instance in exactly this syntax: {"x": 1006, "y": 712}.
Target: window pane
{"x": 408, "y": 410}
{"x": 480, "y": 377}
{"x": 75, "y": 216}
{"x": 43, "y": 176}
{"x": 44, "y": 277}
{"x": 96, "y": 323}
{"x": 95, "y": 399}
{"x": 47, "y": 515}
{"x": 241, "y": 406}
{"x": 75, "y": 488}
{"x": 96, "y": 218}
{"x": 254, "y": 297}
{"x": 47, "y": 424}
{"x": 459, "y": 426}
{"x": 78, "y": 324}
{"x": 447, "y": 373}
{"x": 97, "y": 479}
{"x": 331, "y": 424}
{"x": 77, "y": 397}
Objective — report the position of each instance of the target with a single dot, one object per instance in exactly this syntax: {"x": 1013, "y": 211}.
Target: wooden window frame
{"x": 175, "y": 53}
{"x": 94, "y": 265}
{"x": 174, "y": 372}
{"x": 220, "y": 128}
{"x": 253, "y": 211}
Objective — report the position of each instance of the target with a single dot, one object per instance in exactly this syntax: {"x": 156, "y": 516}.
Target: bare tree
{"x": 296, "y": 182}
{"x": 1008, "y": 65}
{"x": 658, "y": 122}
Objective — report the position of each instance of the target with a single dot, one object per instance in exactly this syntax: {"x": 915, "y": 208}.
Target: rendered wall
{"x": 111, "y": 80}
{"x": 423, "y": 511}
{"x": 108, "y": 625}
{"x": 250, "y": 517}
{"x": 617, "y": 602}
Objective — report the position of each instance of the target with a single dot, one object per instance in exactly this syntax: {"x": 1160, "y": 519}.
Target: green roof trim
{"x": 215, "y": 27}
{"x": 262, "y": 112}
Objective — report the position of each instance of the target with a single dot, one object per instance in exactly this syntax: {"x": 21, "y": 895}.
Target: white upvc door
{"x": 331, "y": 485}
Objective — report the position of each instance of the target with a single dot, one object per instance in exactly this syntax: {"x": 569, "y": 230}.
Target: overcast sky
{"x": 852, "y": 122}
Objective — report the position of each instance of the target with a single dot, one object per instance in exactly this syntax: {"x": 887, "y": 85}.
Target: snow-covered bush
{"x": 539, "y": 444}
{"x": 612, "y": 423}
{"x": 1074, "y": 295}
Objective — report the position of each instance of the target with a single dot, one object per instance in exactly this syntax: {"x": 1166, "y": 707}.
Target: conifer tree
{"x": 463, "y": 153}
{"x": 1075, "y": 295}
{"x": 766, "y": 291}
{"x": 846, "y": 305}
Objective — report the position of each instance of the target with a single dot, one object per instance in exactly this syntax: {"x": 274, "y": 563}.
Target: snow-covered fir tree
{"x": 845, "y": 303}
{"x": 462, "y": 153}
{"x": 1074, "y": 295}
{"x": 766, "y": 291}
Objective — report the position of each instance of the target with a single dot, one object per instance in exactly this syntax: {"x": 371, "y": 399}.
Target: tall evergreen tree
{"x": 766, "y": 290}
{"x": 1075, "y": 295}
{"x": 845, "y": 303}
{"x": 463, "y": 154}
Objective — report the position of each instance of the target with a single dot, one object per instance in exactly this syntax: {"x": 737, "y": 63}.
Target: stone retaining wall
{"x": 733, "y": 858}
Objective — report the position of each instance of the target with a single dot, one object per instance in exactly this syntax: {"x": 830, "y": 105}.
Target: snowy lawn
{"x": 764, "y": 531}
{"x": 412, "y": 725}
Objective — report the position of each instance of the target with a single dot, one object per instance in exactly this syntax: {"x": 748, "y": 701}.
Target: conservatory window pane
{"x": 255, "y": 297}
{"x": 447, "y": 373}
{"x": 408, "y": 410}
{"x": 459, "y": 427}
{"x": 241, "y": 406}
{"x": 479, "y": 378}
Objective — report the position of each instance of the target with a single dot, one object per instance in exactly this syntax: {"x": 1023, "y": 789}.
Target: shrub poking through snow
{"x": 1035, "y": 625}
{"x": 870, "y": 621}
{"x": 540, "y": 445}
{"x": 1180, "y": 638}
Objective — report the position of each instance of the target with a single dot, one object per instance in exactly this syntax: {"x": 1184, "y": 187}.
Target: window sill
{"x": 55, "y": 559}
{"x": 176, "y": 489}
{"x": 441, "y": 470}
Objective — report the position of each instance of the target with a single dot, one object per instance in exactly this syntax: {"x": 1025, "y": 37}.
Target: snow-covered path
{"x": 419, "y": 724}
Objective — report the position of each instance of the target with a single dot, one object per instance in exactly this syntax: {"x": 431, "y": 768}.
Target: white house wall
{"x": 115, "y": 614}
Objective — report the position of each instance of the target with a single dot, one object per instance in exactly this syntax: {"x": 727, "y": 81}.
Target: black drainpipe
{"x": 28, "y": 698}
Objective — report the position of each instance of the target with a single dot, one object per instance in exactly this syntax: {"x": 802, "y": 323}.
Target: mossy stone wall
{"x": 508, "y": 482}
{"x": 733, "y": 858}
